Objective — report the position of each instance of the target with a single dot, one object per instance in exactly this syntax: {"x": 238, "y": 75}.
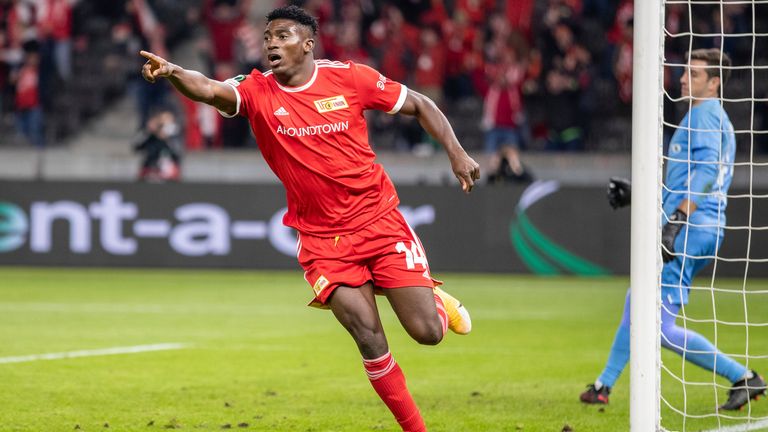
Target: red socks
{"x": 389, "y": 382}
{"x": 442, "y": 313}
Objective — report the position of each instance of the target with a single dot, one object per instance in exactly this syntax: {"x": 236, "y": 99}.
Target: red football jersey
{"x": 315, "y": 139}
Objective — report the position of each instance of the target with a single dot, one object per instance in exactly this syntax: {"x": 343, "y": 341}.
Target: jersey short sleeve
{"x": 246, "y": 87}
{"x": 378, "y": 92}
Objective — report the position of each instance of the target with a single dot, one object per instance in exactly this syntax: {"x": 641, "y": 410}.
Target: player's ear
{"x": 712, "y": 84}
{"x": 309, "y": 45}
{"x": 715, "y": 83}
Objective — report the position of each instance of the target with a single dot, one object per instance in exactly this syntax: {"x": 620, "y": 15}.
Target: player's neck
{"x": 297, "y": 76}
{"x": 707, "y": 96}
{"x": 698, "y": 101}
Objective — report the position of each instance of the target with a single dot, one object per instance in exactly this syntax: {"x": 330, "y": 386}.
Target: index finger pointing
{"x": 148, "y": 55}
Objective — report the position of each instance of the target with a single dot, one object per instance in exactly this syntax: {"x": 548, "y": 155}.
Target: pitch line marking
{"x": 94, "y": 352}
{"x": 759, "y": 425}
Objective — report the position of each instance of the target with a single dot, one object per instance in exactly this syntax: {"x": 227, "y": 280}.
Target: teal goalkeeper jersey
{"x": 700, "y": 165}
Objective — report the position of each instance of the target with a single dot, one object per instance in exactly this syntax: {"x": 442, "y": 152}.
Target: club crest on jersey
{"x": 331, "y": 104}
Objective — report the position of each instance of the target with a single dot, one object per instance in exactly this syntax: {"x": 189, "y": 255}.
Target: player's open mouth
{"x": 274, "y": 59}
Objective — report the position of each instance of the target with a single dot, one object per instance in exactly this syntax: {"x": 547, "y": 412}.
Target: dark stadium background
{"x": 96, "y": 109}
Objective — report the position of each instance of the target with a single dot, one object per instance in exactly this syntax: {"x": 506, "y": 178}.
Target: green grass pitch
{"x": 258, "y": 359}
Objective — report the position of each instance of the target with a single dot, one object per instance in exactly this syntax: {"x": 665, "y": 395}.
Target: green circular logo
{"x": 13, "y": 227}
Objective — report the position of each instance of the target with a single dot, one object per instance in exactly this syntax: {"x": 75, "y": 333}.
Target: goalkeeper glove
{"x": 669, "y": 233}
{"x": 619, "y": 192}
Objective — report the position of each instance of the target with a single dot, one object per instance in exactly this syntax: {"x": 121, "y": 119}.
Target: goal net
{"x": 728, "y": 301}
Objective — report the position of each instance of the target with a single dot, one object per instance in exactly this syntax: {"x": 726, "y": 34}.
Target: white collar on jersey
{"x": 300, "y": 88}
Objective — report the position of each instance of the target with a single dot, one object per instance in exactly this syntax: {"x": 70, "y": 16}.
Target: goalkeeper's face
{"x": 696, "y": 83}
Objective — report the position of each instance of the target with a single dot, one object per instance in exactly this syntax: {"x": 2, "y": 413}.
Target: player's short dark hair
{"x": 713, "y": 57}
{"x": 294, "y": 13}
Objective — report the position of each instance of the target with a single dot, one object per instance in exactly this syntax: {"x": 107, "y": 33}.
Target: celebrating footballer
{"x": 307, "y": 116}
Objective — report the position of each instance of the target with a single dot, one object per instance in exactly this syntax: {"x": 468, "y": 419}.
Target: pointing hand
{"x": 155, "y": 67}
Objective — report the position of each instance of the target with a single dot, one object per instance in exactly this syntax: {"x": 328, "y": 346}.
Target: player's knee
{"x": 672, "y": 337}
{"x": 429, "y": 334}
{"x": 432, "y": 338}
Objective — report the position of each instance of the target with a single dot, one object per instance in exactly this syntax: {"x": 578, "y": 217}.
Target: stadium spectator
{"x": 566, "y": 79}
{"x": 429, "y": 73}
{"x": 144, "y": 25}
{"x": 17, "y": 30}
{"x": 557, "y": 12}
{"x": 600, "y": 9}
{"x": 475, "y": 11}
{"x": 694, "y": 203}
{"x": 29, "y": 111}
{"x": 223, "y": 18}
{"x": 56, "y": 33}
{"x": 347, "y": 44}
{"x": 248, "y": 46}
{"x": 463, "y": 58}
{"x": 396, "y": 41}
{"x": 436, "y": 16}
{"x": 622, "y": 52}
{"x": 504, "y": 114}
{"x": 307, "y": 115}
{"x": 518, "y": 14}
{"x": 232, "y": 133}
{"x": 162, "y": 161}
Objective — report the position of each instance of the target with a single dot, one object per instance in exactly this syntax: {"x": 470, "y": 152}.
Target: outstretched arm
{"x": 434, "y": 122}
{"x": 191, "y": 84}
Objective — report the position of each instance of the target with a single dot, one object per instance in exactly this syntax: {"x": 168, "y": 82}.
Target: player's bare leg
{"x": 426, "y": 313}
{"x": 416, "y": 309}
{"x": 356, "y": 310}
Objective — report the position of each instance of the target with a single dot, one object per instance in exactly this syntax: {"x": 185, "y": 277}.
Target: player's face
{"x": 696, "y": 83}
{"x": 286, "y": 44}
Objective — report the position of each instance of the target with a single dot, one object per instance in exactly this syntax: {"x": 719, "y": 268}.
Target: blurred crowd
{"x": 511, "y": 74}
{"x": 64, "y": 61}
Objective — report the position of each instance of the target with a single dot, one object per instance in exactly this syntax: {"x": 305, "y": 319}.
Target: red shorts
{"x": 386, "y": 252}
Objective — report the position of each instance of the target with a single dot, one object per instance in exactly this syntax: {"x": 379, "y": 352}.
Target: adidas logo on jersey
{"x": 281, "y": 112}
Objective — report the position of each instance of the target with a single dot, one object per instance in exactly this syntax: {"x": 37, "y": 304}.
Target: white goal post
{"x": 645, "y": 256}
{"x": 675, "y": 395}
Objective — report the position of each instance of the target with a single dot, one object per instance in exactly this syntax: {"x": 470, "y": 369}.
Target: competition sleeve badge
{"x": 331, "y": 104}
{"x": 235, "y": 81}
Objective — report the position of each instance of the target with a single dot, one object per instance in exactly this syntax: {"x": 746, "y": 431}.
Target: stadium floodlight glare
{"x": 666, "y": 392}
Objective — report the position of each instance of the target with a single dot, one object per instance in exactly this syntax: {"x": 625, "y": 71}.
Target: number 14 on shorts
{"x": 413, "y": 255}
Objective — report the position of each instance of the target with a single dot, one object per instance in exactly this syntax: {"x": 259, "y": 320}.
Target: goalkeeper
{"x": 699, "y": 172}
